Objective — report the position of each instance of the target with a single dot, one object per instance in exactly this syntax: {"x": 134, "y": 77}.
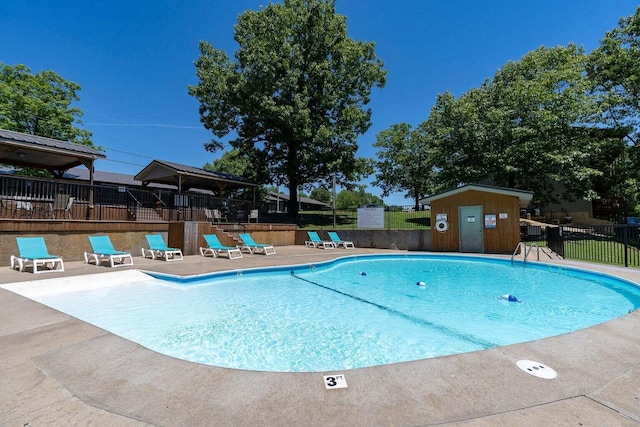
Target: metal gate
{"x": 555, "y": 241}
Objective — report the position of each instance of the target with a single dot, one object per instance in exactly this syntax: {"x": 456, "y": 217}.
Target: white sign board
{"x": 371, "y": 217}
{"x": 441, "y": 217}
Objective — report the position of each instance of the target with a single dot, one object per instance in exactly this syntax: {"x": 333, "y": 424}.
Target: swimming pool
{"x": 349, "y": 313}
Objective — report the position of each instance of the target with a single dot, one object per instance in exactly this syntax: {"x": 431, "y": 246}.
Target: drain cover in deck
{"x": 537, "y": 369}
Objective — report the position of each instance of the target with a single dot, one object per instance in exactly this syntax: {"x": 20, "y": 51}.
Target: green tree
{"x": 614, "y": 70}
{"x": 295, "y": 95}
{"x": 347, "y": 199}
{"x": 454, "y": 140}
{"x": 231, "y": 162}
{"x": 237, "y": 163}
{"x": 321, "y": 194}
{"x": 352, "y": 199}
{"x": 40, "y": 104}
{"x": 525, "y": 128}
{"x": 403, "y": 162}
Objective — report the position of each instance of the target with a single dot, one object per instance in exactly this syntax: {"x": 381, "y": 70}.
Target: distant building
{"x": 279, "y": 202}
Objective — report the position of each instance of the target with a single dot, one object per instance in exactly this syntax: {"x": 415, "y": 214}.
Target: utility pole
{"x": 333, "y": 184}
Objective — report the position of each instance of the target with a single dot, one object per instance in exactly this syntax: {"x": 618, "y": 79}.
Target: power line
{"x": 120, "y": 161}
{"x": 125, "y": 152}
{"x": 152, "y": 125}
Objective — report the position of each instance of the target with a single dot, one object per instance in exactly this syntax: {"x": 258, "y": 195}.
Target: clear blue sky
{"x": 134, "y": 59}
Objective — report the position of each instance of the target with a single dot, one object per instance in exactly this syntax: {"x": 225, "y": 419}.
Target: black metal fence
{"x": 617, "y": 244}
{"x": 34, "y": 198}
{"x": 166, "y": 205}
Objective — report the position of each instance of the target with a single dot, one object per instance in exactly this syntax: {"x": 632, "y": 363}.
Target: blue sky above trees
{"x": 134, "y": 60}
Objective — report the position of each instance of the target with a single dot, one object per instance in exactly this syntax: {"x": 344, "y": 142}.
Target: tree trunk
{"x": 293, "y": 199}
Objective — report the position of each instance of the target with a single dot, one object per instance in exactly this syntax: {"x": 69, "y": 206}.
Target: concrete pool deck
{"x": 57, "y": 370}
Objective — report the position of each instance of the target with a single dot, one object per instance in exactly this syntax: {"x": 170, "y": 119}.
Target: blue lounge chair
{"x": 33, "y": 250}
{"x": 316, "y": 242}
{"x": 103, "y": 250}
{"x": 215, "y": 248}
{"x": 248, "y": 244}
{"x": 339, "y": 242}
{"x": 159, "y": 249}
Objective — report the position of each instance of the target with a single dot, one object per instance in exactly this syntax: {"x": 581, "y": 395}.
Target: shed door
{"x": 471, "y": 236}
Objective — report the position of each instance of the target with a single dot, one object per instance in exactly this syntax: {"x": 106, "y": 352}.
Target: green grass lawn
{"x": 348, "y": 220}
{"x": 605, "y": 252}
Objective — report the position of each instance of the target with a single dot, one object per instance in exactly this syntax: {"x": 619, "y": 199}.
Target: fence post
{"x": 354, "y": 214}
{"x": 625, "y": 239}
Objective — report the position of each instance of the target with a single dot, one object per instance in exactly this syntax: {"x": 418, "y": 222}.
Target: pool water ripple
{"x": 335, "y": 317}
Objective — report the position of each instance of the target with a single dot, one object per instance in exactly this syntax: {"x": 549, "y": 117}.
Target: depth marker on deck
{"x": 335, "y": 381}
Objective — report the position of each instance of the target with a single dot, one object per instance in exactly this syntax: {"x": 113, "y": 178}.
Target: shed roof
{"x": 524, "y": 195}
{"x": 21, "y": 149}
{"x": 186, "y": 177}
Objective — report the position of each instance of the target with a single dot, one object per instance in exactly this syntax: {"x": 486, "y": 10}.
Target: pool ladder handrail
{"x": 525, "y": 251}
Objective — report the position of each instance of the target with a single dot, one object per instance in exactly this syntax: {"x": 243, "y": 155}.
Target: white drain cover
{"x": 537, "y": 369}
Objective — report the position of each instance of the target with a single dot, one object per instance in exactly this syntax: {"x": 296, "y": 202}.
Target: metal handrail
{"x": 138, "y": 203}
{"x": 525, "y": 252}
{"x": 159, "y": 199}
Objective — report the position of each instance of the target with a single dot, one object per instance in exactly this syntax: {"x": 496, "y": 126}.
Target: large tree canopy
{"x": 294, "y": 97}
{"x": 524, "y": 128}
{"x": 40, "y": 104}
{"x": 614, "y": 69}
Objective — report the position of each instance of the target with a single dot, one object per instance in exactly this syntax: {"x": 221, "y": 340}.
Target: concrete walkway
{"x": 57, "y": 370}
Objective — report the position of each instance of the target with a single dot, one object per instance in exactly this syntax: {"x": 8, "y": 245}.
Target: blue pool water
{"x": 349, "y": 313}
